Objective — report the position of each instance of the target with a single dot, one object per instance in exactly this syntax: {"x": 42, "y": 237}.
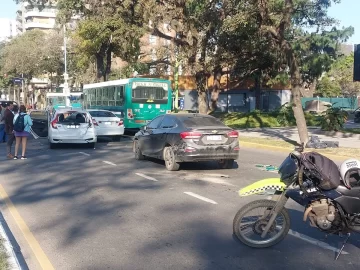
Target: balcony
{"x": 32, "y": 25}
{"x": 43, "y": 13}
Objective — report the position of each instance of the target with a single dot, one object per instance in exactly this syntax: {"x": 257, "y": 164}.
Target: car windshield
{"x": 198, "y": 121}
{"x": 71, "y": 117}
{"x": 101, "y": 114}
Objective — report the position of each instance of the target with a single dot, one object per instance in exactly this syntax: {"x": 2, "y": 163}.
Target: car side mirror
{"x": 144, "y": 128}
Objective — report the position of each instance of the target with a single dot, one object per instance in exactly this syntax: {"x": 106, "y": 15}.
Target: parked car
{"x": 108, "y": 124}
{"x": 177, "y": 138}
{"x": 72, "y": 126}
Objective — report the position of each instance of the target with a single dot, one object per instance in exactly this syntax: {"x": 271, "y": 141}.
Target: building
{"x": 33, "y": 17}
{"x": 7, "y": 29}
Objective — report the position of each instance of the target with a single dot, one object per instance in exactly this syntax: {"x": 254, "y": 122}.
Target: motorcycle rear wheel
{"x": 257, "y": 227}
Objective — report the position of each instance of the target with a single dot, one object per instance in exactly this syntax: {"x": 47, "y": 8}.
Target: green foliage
{"x": 258, "y": 119}
{"x": 333, "y": 119}
{"x": 328, "y": 87}
{"x": 340, "y": 78}
{"x": 285, "y": 115}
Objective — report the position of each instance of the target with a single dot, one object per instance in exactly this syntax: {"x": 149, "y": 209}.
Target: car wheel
{"x": 137, "y": 151}
{"x": 169, "y": 158}
{"x": 52, "y": 145}
{"x": 226, "y": 163}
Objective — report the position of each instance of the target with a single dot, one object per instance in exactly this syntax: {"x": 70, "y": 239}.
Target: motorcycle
{"x": 330, "y": 205}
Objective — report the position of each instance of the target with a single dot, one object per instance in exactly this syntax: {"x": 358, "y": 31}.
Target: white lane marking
{"x": 200, "y": 197}
{"x": 217, "y": 175}
{"x": 315, "y": 242}
{"x": 147, "y": 177}
{"x": 85, "y": 154}
{"x": 108, "y": 162}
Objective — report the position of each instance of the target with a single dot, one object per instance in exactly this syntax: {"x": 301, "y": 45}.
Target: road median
{"x": 339, "y": 154}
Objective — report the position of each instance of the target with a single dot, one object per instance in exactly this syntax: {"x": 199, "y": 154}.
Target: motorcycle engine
{"x": 322, "y": 214}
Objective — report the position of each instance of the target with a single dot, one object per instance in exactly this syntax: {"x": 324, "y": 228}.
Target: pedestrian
{"x": 22, "y": 126}
{"x": 2, "y": 123}
{"x": 9, "y": 127}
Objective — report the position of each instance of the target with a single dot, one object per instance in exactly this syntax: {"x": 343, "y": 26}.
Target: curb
{"x": 286, "y": 150}
{"x": 11, "y": 251}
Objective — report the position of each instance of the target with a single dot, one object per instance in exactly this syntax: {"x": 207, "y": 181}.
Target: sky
{"x": 346, "y": 12}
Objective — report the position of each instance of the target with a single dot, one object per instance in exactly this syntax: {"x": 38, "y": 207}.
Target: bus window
{"x": 119, "y": 95}
{"x": 143, "y": 94}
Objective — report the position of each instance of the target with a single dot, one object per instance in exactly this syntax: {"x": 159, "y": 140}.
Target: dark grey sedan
{"x": 177, "y": 138}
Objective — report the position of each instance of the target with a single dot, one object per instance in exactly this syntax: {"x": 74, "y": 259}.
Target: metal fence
{"x": 346, "y": 103}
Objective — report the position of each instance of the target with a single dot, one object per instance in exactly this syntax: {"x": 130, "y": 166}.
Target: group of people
{"x": 8, "y": 118}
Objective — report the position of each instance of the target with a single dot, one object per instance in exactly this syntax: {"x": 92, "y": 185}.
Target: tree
{"x": 107, "y": 29}
{"x": 338, "y": 81}
{"x": 33, "y": 54}
{"x": 281, "y": 22}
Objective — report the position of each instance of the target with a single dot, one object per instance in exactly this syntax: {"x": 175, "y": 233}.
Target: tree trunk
{"x": 108, "y": 63}
{"x": 216, "y": 88}
{"x": 201, "y": 89}
{"x": 258, "y": 91}
{"x": 99, "y": 67}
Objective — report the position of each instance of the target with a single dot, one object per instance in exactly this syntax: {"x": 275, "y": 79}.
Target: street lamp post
{"x": 66, "y": 89}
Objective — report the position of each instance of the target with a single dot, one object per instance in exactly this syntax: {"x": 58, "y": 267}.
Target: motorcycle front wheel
{"x": 251, "y": 219}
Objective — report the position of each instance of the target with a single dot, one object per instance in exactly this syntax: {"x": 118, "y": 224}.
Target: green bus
{"x": 138, "y": 100}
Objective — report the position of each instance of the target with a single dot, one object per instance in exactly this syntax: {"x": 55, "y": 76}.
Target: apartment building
{"x": 33, "y": 17}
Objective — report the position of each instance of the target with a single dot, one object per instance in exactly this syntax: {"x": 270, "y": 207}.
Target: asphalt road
{"x": 101, "y": 209}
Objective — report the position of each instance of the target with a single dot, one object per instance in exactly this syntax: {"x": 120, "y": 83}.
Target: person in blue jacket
{"x": 21, "y": 136}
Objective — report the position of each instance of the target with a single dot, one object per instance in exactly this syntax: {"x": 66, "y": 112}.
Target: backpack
{"x": 19, "y": 125}
{"x": 323, "y": 169}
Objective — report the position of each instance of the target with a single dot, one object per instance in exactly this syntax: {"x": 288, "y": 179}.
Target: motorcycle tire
{"x": 253, "y": 205}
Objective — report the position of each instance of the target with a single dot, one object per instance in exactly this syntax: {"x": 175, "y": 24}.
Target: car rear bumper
{"x": 206, "y": 155}
{"x": 110, "y": 131}
{"x": 74, "y": 140}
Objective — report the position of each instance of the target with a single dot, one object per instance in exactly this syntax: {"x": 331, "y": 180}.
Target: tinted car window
{"x": 101, "y": 114}
{"x": 197, "y": 121}
{"x": 71, "y": 117}
{"x": 155, "y": 123}
{"x": 168, "y": 122}
{"x": 39, "y": 115}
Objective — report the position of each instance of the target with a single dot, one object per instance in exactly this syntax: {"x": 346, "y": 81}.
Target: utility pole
{"x": 23, "y": 89}
{"x": 66, "y": 89}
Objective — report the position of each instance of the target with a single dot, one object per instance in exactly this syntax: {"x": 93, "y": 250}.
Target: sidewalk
{"x": 348, "y": 140}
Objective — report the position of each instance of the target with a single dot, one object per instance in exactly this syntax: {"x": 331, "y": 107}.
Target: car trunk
{"x": 73, "y": 128}
{"x": 213, "y": 136}
{"x": 107, "y": 122}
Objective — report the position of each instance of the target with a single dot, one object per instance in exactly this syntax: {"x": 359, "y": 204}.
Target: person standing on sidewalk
{"x": 2, "y": 123}
{"x": 9, "y": 128}
{"x": 22, "y": 126}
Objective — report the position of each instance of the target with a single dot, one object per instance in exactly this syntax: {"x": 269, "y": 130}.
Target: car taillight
{"x": 94, "y": 122}
{"x": 130, "y": 114}
{"x": 190, "y": 135}
{"x": 120, "y": 123}
{"x": 53, "y": 123}
{"x": 233, "y": 134}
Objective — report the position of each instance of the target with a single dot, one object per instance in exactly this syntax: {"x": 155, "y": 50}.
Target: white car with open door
{"x": 72, "y": 126}
{"x": 107, "y": 123}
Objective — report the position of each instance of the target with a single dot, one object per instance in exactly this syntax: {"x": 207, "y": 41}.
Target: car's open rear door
{"x": 40, "y": 120}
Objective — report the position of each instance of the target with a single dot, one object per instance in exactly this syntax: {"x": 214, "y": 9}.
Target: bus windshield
{"x": 149, "y": 92}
